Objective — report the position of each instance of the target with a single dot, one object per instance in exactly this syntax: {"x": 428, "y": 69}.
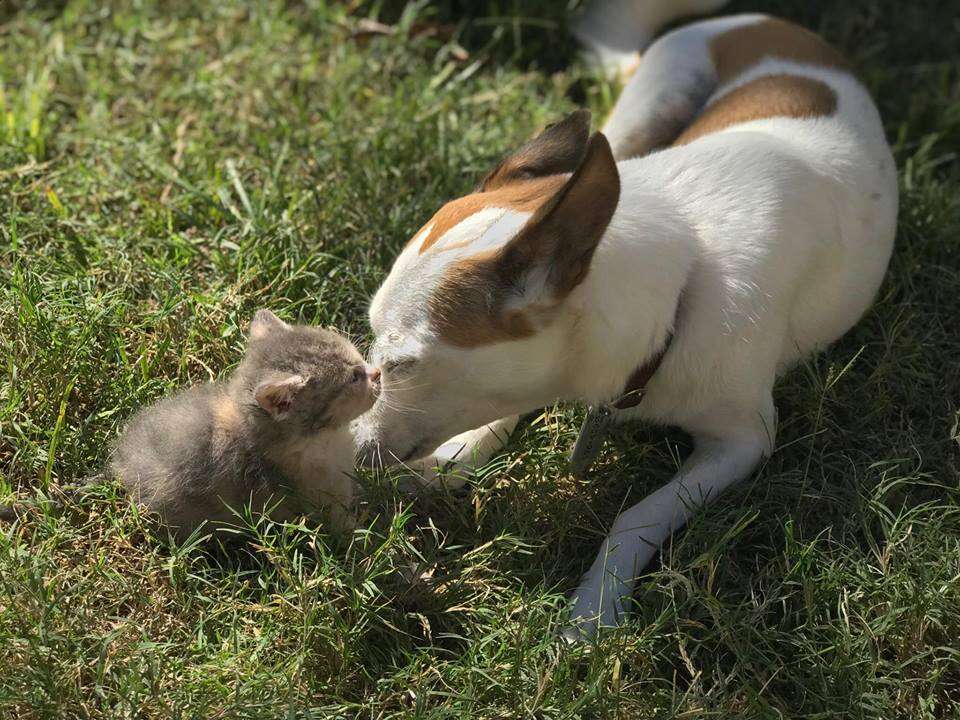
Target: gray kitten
{"x": 274, "y": 434}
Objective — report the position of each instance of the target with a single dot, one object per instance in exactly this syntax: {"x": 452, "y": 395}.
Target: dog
{"x": 735, "y": 215}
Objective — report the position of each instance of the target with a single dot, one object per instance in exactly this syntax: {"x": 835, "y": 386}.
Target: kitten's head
{"x": 305, "y": 378}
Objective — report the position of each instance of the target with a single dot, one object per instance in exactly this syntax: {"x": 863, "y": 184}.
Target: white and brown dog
{"x": 735, "y": 215}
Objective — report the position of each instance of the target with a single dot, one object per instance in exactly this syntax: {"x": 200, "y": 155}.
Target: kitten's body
{"x": 275, "y": 436}
{"x": 197, "y": 456}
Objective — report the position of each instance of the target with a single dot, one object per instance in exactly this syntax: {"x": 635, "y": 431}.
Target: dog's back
{"x": 763, "y": 137}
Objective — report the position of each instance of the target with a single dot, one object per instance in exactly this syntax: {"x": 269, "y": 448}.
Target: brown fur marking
{"x": 770, "y": 96}
{"x": 520, "y": 195}
{"x": 226, "y": 421}
{"x": 226, "y": 414}
{"x": 465, "y": 309}
{"x": 558, "y": 150}
{"x": 468, "y": 307}
{"x": 738, "y": 49}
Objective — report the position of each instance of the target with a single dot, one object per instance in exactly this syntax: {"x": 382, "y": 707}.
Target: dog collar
{"x": 600, "y": 417}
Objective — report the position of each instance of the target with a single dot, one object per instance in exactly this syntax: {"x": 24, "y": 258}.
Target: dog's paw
{"x": 578, "y": 634}
{"x": 434, "y": 471}
{"x": 452, "y": 463}
{"x": 593, "y": 605}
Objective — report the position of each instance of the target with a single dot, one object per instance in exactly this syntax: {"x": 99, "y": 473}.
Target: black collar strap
{"x": 637, "y": 382}
{"x": 600, "y": 417}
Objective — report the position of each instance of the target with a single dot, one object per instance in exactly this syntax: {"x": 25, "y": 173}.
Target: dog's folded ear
{"x": 558, "y": 149}
{"x": 556, "y": 244}
{"x": 507, "y": 293}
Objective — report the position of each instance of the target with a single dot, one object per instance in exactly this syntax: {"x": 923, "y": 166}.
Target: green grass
{"x": 167, "y": 168}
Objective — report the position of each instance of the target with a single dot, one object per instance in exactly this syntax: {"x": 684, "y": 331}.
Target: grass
{"x": 168, "y": 168}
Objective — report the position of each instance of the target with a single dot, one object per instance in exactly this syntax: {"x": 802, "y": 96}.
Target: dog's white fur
{"x": 614, "y": 31}
{"x": 755, "y": 246}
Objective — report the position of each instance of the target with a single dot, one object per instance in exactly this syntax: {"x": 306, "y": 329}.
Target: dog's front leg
{"x": 637, "y": 533}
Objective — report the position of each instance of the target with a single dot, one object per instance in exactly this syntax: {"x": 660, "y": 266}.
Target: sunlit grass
{"x": 168, "y": 168}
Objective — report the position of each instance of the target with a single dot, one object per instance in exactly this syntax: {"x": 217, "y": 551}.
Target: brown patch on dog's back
{"x": 520, "y": 195}
{"x": 792, "y": 96}
{"x": 738, "y": 49}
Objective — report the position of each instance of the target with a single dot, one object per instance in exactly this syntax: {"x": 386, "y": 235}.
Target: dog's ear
{"x": 558, "y": 149}
{"x": 553, "y": 250}
{"x": 264, "y": 323}
{"x": 504, "y": 294}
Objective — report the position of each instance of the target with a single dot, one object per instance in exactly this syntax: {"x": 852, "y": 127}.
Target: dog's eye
{"x": 396, "y": 366}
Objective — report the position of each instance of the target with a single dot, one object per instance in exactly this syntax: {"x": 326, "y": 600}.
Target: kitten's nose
{"x": 374, "y": 374}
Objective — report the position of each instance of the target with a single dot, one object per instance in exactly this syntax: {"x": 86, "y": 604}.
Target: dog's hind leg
{"x": 728, "y": 447}
{"x": 669, "y": 89}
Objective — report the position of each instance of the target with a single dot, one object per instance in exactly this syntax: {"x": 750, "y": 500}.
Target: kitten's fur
{"x": 274, "y": 435}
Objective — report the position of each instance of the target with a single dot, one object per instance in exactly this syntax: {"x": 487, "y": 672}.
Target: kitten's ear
{"x": 265, "y": 322}
{"x": 276, "y": 396}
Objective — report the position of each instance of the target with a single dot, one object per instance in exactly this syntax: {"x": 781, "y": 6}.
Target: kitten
{"x": 274, "y": 435}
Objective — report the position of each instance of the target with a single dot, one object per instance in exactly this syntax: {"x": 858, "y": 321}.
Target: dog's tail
{"x": 615, "y": 32}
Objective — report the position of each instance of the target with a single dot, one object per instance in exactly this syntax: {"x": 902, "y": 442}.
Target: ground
{"x": 166, "y": 168}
